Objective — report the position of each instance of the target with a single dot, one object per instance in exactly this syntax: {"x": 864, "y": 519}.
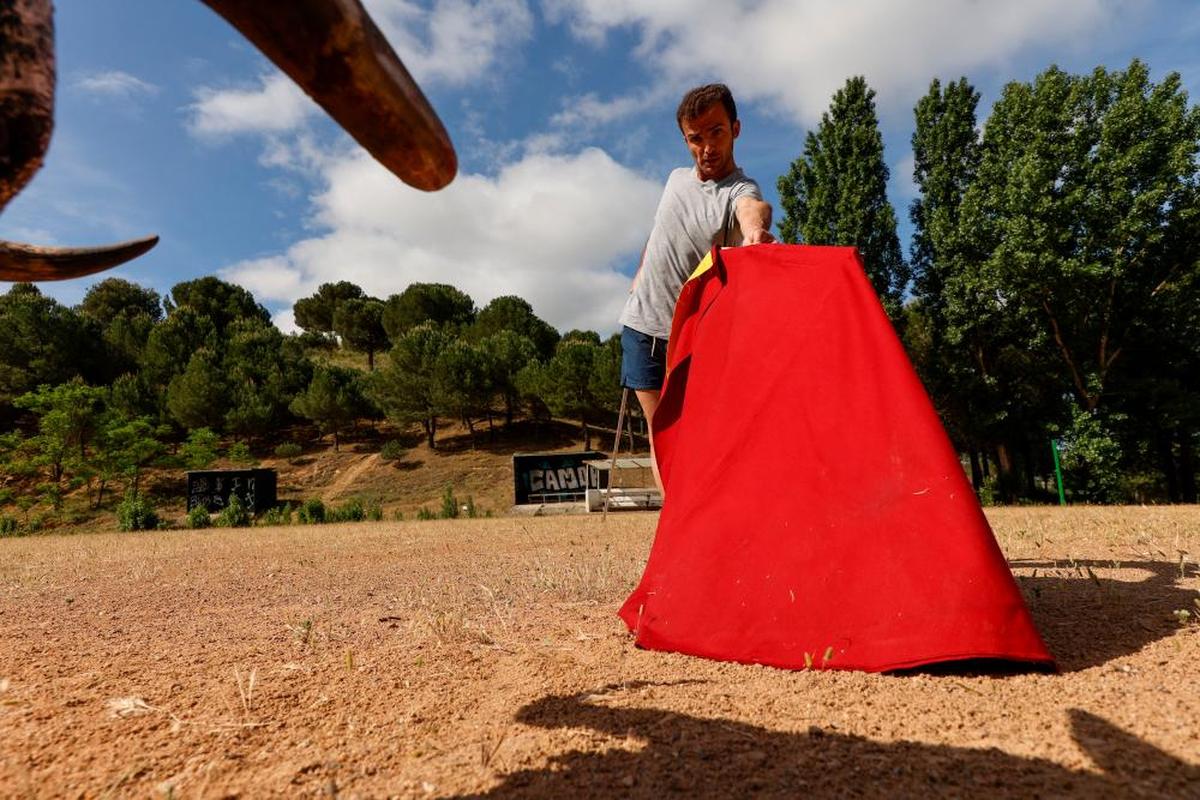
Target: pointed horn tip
{"x": 33, "y": 263}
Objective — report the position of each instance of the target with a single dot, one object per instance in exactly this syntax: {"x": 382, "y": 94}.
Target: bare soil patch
{"x": 483, "y": 658}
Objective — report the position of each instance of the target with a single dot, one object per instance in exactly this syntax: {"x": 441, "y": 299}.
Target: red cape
{"x": 816, "y": 513}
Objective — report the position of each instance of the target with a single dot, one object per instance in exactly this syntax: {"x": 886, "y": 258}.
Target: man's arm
{"x": 754, "y": 218}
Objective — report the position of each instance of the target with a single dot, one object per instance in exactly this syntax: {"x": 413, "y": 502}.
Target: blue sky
{"x": 562, "y": 112}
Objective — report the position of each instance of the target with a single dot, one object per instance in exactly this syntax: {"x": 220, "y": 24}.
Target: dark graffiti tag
{"x": 551, "y": 477}
{"x": 211, "y": 489}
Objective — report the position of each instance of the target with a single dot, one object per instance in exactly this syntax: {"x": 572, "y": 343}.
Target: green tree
{"x": 172, "y": 343}
{"x": 316, "y": 312}
{"x": 68, "y": 415}
{"x": 605, "y": 381}
{"x": 511, "y": 313}
{"x": 265, "y": 370}
{"x": 126, "y": 313}
{"x": 836, "y": 192}
{"x": 581, "y": 336}
{"x": 330, "y": 401}
{"x": 201, "y": 448}
{"x": 44, "y": 342}
{"x": 221, "y": 302}
{"x": 407, "y": 389}
{"x": 359, "y": 322}
{"x": 565, "y": 384}
{"x": 438, "y": 303}
{"x": 945, "y": 162}
{"x": 199, "y": 396}
{"x": 123, "y": 448}
{"x": 131, "y": 397}
{"x": 116, "y": 297}
{"x": 1159, "y": 393}
{"x": 508, "y": 353}
{"x": 1084, "y": 214}
{"x": 462, "y": 377}
{"x": 946, "y": 153}
{"x": 1090, "y": 177}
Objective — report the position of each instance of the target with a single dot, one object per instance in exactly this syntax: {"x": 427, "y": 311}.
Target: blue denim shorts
{"x": 643, "y": 360}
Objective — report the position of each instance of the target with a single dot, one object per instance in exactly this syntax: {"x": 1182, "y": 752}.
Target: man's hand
{"x": 758, "y": 236}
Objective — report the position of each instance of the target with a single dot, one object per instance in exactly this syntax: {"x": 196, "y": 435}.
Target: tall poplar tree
{"x": 946, "y": 156}
{"x": 836, "y": 192}
{"x": 945, "y": 160}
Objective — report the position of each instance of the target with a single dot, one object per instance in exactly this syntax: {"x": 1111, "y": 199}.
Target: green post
{"x": 1062, "y": 498}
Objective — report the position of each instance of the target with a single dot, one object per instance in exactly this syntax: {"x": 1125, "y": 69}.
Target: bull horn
{"x": 333, "y": 50}
{"x": 26, "y": 262}
{"x": 26, "y": 92}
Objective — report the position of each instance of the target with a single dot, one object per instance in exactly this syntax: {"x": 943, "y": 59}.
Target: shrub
{"x": 136, "y": 513}
{"x": 374, "y": 509}
{"x": 200, "y": 449}
{"x": 1091, "y": 457}
{"x": 398, "y": 515}
{"x": 234, "y": 515}
{"x": 288, "y": 450}
{"x": 8, "y": 525}
{"x": 471, "y": 511}
{"x": 988, "y": 494}
{"x": 425, "y": 513}
{"x": 449, "y": 504}
{"x": 279, "y": 515}
{"x": 392, "y": 451}
{"x": 198, "y": 518}
{"x": 239, "y": 453}
{"x": 350, "y": 511}
{"x": 311, "y": 512}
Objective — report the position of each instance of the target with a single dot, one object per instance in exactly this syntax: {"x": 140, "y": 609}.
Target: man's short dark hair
{"x": 700, "y": 99}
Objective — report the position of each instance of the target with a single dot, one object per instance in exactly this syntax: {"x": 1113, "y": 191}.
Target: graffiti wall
{"x": 551, "y": 477}
{"x": 212, "y": 488}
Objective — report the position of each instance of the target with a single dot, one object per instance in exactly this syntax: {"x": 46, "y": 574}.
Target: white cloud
{"x": 793, "y": 55}
{"x": 285, "y": 320}
{"x": 588, "y": 110}
{"x": 553, "y": 229}
{"x": 455, "y": 41}
{"x": 114, "y": 83}
{"x": 276, "y": 105}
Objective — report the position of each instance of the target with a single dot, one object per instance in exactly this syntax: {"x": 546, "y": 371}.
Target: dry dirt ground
{"x": 483, "y": 658}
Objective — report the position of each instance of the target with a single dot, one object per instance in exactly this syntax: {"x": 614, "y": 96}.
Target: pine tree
{"x": 329, "y": 401}
{"x": 359, "y": 322}
{"x": 836, "y": 192}
{"x": 407, "y": 388}
{"x": 199, "y": 396}
{"x": 315, "y": 313}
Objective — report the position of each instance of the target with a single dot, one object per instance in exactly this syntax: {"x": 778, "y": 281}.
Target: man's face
{"x": 709, "y": 137}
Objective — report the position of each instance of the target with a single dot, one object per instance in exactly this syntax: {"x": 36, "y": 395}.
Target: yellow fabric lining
{"x": 704, "y": 266}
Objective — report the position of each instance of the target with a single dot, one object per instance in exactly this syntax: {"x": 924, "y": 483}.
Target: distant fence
{"x": 212, "y": 488}
{"x": 552, "y": 477}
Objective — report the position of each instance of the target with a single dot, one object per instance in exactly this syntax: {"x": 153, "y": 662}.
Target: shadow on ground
{"x": 523, "y": 436}
{"x": 1088, "y": 620}
{"x": 693, "y": 757}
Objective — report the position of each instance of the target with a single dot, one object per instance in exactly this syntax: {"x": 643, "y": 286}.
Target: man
{"x": 710, "y": 203}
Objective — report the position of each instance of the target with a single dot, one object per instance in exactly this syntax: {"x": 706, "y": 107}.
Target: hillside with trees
{"x": 1051, "y": 294}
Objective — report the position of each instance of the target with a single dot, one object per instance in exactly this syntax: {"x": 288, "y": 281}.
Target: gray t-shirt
{"x": 692, "y": 216}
